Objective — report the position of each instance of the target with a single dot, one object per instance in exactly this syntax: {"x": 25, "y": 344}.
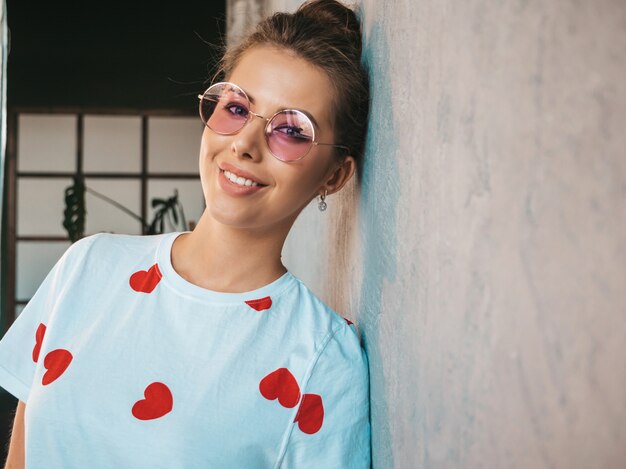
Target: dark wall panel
{"x": 106, "y": 54}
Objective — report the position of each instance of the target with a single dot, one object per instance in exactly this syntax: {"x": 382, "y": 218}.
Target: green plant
{"x": 75, "y": 210}
{"x": 74, "y": 213}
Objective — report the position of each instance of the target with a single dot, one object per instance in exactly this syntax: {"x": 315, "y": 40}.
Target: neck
{"x": 229, "y": 259}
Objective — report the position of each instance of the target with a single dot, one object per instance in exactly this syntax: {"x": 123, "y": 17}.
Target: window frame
{"x": 12, "y": 179}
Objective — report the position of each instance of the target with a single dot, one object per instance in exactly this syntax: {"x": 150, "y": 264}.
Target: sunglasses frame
{"x": 267, "y": 121}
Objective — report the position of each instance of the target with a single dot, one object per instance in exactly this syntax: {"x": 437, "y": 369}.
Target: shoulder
{"x": 312, "y": 307}
{"x": 103, "y": 251}
{"x": 105, "y": 242}
{"x": 339, "y": 370}
{"x": 120, "y": 239}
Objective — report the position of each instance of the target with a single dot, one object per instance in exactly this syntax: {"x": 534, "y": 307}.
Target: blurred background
{"x": 108, "y": 91}
{"x": 480, "y": 251}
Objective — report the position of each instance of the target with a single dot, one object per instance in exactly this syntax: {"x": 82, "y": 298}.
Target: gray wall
{"x": 482, "y": 252}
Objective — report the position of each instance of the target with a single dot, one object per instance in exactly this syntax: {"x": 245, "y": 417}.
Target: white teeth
{"x": 239, "y": 180}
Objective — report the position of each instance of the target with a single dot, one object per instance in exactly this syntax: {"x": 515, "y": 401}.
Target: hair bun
{"x": 333, "y": 13}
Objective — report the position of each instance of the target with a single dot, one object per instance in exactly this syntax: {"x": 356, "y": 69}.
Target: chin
{"x": 230, "y": 217}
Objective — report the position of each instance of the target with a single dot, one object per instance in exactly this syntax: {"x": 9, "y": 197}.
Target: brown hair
{"x": 327, "y": 34}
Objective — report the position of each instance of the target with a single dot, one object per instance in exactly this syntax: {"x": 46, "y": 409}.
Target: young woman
{"x": 200, "y": 349}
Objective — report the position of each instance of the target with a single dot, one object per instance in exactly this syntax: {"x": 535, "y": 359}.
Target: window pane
{"x": 34, "y": 259}
{"x": 174, "y": 144}
{"x": 189, "y": 195}
{"x": 112, "y": 144}
{"x": 46, "y": 143}
{"x": 40, "y": 206}
{"x": 18, "y": 309}
{"x": 103, "y": 216}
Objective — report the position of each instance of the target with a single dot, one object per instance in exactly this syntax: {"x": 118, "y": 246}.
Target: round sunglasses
{"x": 289, "y": 133}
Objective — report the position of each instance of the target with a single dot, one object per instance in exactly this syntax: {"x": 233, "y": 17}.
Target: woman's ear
{"x": 340, "y": 174}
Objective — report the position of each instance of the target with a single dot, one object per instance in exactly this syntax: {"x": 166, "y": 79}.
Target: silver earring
{"x": 322, "y": 205}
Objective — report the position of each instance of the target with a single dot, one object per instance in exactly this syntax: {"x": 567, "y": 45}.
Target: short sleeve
{"x": 332, "y": 424}
{"x": 20, "y": 345}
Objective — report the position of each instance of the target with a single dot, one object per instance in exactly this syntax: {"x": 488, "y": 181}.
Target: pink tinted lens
{"x": 224, "y": 108}
{"x": 289, "y": 135}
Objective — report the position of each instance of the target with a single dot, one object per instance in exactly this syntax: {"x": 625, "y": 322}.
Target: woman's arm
{"x": 332, "y": 424}
{"x": 15, "y": 458}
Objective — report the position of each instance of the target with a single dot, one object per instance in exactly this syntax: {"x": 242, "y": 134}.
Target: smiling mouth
{"x": 240, "y": 180}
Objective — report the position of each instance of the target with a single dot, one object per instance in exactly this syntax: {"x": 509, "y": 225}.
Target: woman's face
{"x": 273, "y": 79}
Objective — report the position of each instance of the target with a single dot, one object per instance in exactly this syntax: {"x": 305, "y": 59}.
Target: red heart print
{"x": 41, "y": 331}
{"x": 310, "y": 415}
{"x": 56, "y": 362}
{"x": 282, "y": 385}
{"x": 260, "y": 304}
{"x": 158, "y": 402}
{"x": 146, "y": 280}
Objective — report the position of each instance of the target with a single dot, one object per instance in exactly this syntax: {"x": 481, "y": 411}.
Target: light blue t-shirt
{"x": 123, "y": 363}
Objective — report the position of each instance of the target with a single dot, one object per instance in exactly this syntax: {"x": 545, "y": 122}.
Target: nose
{"x": 250, "y": 140}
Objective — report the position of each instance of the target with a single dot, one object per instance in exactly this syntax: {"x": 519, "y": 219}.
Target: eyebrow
{"x": 282, "y": 108}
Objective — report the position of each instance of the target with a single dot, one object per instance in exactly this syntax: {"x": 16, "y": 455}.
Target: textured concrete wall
{"x": 482, "y": 253}
{"x": 241, "y": 17}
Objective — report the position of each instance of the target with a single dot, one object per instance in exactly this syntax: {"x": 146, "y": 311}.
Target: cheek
{"x": 205, "y": 142}
{"x": 205, "y": 156}
{"x": 210, "y": 143}
{"x": 304, "y": 180}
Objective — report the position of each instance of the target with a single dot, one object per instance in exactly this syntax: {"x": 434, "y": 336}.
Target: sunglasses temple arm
{"x": 332, "y": 145}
